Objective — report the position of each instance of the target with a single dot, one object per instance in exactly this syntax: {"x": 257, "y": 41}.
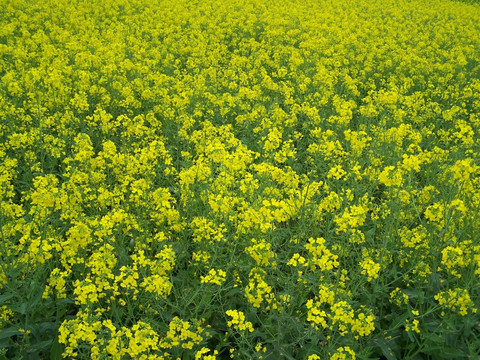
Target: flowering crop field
{"x": 248, "y": 179}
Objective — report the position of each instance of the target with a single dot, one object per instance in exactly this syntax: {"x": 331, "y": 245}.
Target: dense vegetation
{"x": 251, "y": 179}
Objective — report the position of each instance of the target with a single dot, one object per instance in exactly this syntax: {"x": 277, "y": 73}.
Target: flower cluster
{"x": 238, "y": 321}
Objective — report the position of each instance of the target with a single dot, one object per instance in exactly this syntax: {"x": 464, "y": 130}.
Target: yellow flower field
{"x": 249, "y": 179}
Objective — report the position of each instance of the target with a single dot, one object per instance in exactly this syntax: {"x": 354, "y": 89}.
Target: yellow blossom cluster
{"x": 214, "y": 277}
{"x": 457, "y": 300}
{"x": 344, "y": 353}
{"x": 238, "y": 321}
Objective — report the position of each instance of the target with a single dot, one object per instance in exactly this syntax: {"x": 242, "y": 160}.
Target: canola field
{"x": 248, "y": 179}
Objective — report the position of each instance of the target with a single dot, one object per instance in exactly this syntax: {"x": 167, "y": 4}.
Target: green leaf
{"x": 232, "y": 292}
{"x": 445, "y": 352}
{"x": 410, "y": 336}
{"x": 468, "y": 324}
{"x": 9, "y": 332}
{"x": 433, "y": 325}
{"x": 415, "y": 294}
{"x": 434, "y": 338}
{"x": 387, "y": 351}
{"x": 56, "y": 350}
{"x": 47, "y": 326}
{"x": 400, "y": 320}
{"x": 40, "y": 345}
{"x": 5, "y": 297}
{"x": 370, "y": 233}
{"x": 20, "y": 308}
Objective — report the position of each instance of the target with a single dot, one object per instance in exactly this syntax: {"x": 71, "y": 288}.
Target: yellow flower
{"x": 391, "y": 177}
{"x": 238, "y": 321}
{"x": 343, "y": 353}
{"x": 457, "y": 300}
{"x": 214, "y": 277}
{"x": 370, "y": 268}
